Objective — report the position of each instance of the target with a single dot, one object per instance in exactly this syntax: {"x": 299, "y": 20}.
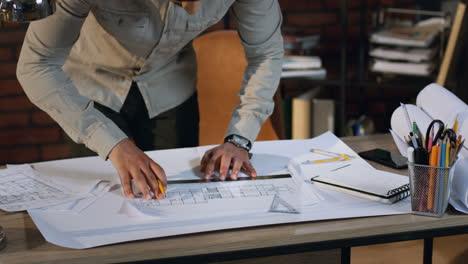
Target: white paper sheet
{"x": 21, "y": 189}
{"x": 459, "y": 194}
{"x": 440, "y": 103}
{"x": 103, "y": 222}
{"x": 79, "y": 205}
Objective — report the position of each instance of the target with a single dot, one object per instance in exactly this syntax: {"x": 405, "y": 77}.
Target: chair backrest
{"x": 221, "y": 64}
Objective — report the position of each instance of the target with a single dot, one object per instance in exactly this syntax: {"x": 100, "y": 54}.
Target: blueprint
{"x": 245, "y": 195}
{"x": 193, "y": 206}
{"x": 22, "y": 189}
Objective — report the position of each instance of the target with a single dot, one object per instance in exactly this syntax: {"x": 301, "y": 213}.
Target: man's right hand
{"x": 132, "y": 163}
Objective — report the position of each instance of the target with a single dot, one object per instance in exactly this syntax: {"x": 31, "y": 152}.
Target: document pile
{"x": 436, "y": 102}
{"x": 303, "y": 66}
{"x": 408, "y": 50}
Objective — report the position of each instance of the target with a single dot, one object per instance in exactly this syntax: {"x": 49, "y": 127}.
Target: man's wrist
{"x": 239, "y": 141}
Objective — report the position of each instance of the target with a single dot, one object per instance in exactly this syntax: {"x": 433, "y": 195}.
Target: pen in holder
{"x": 430, "y": 189}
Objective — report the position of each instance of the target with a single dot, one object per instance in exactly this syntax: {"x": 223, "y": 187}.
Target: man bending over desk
{"x": 120, "y": 76}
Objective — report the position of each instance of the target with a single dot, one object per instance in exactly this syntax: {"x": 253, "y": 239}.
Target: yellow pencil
{"x": 434, "y": 157}
{"x": 161, "y": 188}
{"x": 325, "y": 160}
{"x": 455, "y": 126}
{"x": 447, "y": 153}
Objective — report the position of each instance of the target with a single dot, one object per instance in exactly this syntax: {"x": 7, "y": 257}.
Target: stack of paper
{"x": 303, "y": 66}
{"x": 416, "y": 36}
{"x": 404, "y": 68}
{"x": 407, "y": 50}
{"x": 404, "y": 54}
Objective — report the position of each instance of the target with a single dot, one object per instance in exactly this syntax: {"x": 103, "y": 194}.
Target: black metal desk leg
{"x": 428, "y": 245}
{"x": 346, "y": 255}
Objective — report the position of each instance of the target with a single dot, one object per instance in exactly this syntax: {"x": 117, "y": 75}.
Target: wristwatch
{"x": 239, "y": 141}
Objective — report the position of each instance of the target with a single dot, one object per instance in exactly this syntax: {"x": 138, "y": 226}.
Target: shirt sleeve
{"x": 45, "y": 49}
{"x": 259, "y": 27}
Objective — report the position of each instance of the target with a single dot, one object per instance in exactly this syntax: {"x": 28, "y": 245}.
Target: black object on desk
{"x": 384, "y": 157}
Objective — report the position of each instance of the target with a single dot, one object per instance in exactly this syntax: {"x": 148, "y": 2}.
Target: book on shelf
{"x": 315, "y": 74}
{"x": 415, "y": 36}
{"x": 404, "y": 68}
{"x": 404, "y": 54}
{"x": 303, "y": 66}
{"x": 367, "y": 183}
{"x": 301, "y": 62}
{"x": 312, "y": 115}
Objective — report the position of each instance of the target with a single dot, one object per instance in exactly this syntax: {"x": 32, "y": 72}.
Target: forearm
{"x": 259, "y": 28}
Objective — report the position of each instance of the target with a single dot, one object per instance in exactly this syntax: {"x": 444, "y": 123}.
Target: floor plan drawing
{"x": 196, "y": 193}
{"x": 21, "y": 189}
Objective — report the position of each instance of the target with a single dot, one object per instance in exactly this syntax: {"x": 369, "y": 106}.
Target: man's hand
{"x": 132, "y": 163}
{"x": 224, "y": 156}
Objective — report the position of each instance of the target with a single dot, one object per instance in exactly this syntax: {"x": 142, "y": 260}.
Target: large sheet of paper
{"x": 112, "y": 219}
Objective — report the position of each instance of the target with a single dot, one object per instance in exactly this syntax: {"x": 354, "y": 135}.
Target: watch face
{"x": 240, "y": 140}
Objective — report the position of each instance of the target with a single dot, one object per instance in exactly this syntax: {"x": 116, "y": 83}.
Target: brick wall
{"x": 27, "y": 134}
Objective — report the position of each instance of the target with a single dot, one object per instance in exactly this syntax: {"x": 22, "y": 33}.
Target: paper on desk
{"x": 22, "y": 189}
{"x": 79, "y": 205}
{"x": 101, "y": 223}
{"x": 459, "y": 194}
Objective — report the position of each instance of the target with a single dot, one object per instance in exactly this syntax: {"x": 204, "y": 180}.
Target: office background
{"x": 29, "y": 135}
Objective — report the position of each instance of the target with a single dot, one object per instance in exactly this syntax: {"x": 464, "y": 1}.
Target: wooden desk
{"x": 26, "y": 244}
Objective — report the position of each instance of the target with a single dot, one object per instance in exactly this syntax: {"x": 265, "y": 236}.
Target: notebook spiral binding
{"x": 403, "y": 192}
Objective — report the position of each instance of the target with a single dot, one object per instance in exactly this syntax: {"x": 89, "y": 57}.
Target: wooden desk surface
{"x": 26, "y": 244}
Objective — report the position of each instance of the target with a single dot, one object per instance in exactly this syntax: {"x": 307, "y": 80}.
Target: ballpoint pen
{"x": 418, "y": 134}
{"x": 413, "y": 139}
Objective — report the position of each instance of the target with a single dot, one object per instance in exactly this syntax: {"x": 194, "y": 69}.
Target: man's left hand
{"x": 224, "y": 157}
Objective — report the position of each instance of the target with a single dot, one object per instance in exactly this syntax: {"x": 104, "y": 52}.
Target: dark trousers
{"x": 175, "y": 128}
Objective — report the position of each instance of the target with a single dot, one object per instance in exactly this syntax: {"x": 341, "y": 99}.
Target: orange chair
{"x": 221, "y": 64}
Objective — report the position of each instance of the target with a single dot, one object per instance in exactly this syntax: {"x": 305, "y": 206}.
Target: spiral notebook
{"x": 366, "y": 182}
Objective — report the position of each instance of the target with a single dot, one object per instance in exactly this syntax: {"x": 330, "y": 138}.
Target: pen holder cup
{"x": 430, "y": 189}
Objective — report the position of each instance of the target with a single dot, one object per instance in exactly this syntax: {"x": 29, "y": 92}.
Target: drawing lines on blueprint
{"x": 196, "y": 195}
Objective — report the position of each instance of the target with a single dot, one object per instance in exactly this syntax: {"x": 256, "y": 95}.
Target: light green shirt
{"x": 92, "y": 50}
